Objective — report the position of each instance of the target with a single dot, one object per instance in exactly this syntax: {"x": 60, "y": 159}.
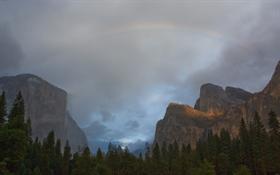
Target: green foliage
{"x": 255, "y": 151}
{"x": 99, "y": 155}
{"x": 13, "y": 146}
{"x": 66, "y": 159}
{"x": 156, "y": 153}
{"x": 205, "y": 168}
{"x": 36, "y": 171}
{"x": 16, "y": 116}
{"x": 274, "y": 146}
{"x": 84, "y": 164}
{"x": 242, "y": 170}
{"x": 3, "y": 109}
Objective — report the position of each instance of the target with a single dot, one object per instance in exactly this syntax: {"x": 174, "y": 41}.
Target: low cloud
{"x": 132, "y": 125}
{"x": 11, "y": 54}
{"x": 249, "y": 57}
{"x": 107, "y": 116}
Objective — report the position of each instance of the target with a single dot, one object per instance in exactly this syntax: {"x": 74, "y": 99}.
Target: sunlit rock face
{"x": 46, "y": 106}
{"x": 183, "y": 124}
{"x": 217, "y": 108}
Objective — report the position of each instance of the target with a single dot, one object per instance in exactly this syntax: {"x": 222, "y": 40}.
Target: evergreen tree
{"x": 255, "y": 151}
{"x": 245, "y": 145}
{"x": 259, "y": 139}
{"x": 3, "y": 169}
{"x": 274, "y": 146}
{"x": 102, "y": 169}
{"x": 99, "y": 155}
{"x": 84, "y": 164}
{"x": 16, "y": 116}
{"x": 36, "y": 171}
{"x": 156, "y": 153}
{"x": 223, "y": 166}
{"x": 242, "y": 170}
{"x": 147, "y": 151}
{"x": 57, "y": 159}
{"x": 66, "y": 159}
{"x": 113, "y": 157}
{"x": 28, "y": 129}
{"x": 205, "y": 168}
{"x": 156, "y": 159}
{"x": 3, "y": 110}
{"x": 13, "y": 146}
{"x": 185, "y": 159}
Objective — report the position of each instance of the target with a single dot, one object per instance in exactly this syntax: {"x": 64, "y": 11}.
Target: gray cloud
{"x": 122, "y": 62}
{"x": 100, "y": 132}
{"x": 106, "y": 116}
{"x": 132, "y": 125}
{"x": 96, "y": 130}
{"x": 11, "y": 54}
{"x": 248, "y": 59}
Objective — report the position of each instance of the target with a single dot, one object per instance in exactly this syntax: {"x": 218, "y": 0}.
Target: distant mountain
{"x": 46, "y": 106}
{"x": 217, "y": 108}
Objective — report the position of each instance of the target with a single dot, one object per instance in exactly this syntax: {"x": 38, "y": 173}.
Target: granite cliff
{"x": 46, "y": 106}
{"x": 217, "y": 108}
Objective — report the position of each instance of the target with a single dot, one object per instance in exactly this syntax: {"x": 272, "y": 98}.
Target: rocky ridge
{"x": 217, "y": 108}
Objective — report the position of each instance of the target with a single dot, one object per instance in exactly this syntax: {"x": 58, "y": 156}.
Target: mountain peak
{"x": 212, "y": 99}
{"x": 273, "y": 87}
{"x": 215, "y": 100}
{"x": 238, "y": 94}
{"x": 218, "y": 109}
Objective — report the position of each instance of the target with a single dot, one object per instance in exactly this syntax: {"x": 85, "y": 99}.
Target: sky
{"x": 123, "y": 61}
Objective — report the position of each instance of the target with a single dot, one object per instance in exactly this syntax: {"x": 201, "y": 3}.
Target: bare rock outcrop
{"x": 217, "y": 108}
{"x": 46, "y": 106}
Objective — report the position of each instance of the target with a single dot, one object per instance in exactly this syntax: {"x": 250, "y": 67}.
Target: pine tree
{"x": 66, "y": 159}
{"x": 36, "y": 171}
{"x": 58, "y": 158}
{"x": 156, "y": 160}
{"x": 259, "y": 139}
{"x": 156, "y": 153}
{"x": 242, "y": 170}
{"x": 84, "y": 164}
{"x": 245, "y": 145}
{"x": 99, "y": 155}
{"x": 205, "y": 168}
{"x": 16, "y": 116}
{"x": 3, "y": 110}
{"x": 274, "y": 144}
{"x": 13, "y": 146}
{"x": 28, "y": 130}
{"x": 147, "y": 151}
{"x": 48, "y": 154}
{"x": 13, "y": 139}
{"x": 184, "y": 162}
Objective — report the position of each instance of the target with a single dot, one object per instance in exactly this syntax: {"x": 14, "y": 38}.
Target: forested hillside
{"x": 256, "y": 151}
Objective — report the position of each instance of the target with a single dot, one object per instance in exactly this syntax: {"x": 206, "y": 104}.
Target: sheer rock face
{"x": 215, "y": 100}
{"x": 183, "y": 124}
{"x": 46, "y": 106}
{"x": 216, "y": 109}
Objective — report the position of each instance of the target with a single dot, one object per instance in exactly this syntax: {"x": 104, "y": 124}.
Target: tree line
{"x": 256, "y": 151}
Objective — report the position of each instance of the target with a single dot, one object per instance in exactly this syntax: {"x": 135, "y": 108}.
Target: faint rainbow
{"x": 165, "y": 26}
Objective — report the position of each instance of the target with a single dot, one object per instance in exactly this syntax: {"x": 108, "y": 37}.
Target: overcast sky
{"x": 123, "y": 61}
